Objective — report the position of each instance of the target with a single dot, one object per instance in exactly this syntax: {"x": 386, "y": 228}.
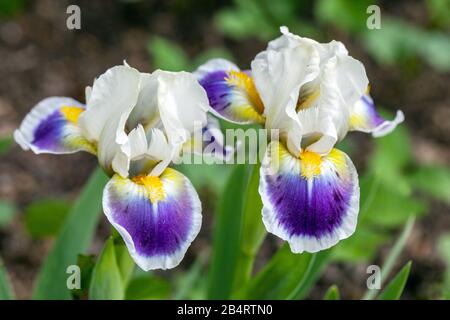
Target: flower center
{"x": 309, "y": 164}
{"x": 71, "y": 113}
{"x": 153, "y": 185}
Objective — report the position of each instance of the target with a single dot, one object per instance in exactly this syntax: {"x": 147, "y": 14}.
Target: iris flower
{"x": 136, "y": 124}
{"x": 314, "y": 94}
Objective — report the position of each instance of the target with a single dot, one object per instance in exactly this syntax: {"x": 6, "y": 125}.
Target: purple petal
{"x": 312, "y": 201}
{"x": 233, "y": 96}
{"x": 51, "y": 127}
{"x": 364, "y": 117}
{"x": 158, "y": 217}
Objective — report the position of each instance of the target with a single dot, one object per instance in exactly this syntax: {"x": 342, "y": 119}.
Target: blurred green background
{"x": 403, "y": 175}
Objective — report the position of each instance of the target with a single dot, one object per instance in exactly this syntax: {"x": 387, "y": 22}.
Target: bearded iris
{"x": 136, "y": 124}
{"x": 313, "y": 94}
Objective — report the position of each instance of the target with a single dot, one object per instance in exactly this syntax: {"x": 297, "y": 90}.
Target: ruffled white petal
{"x": 183, "y": 104}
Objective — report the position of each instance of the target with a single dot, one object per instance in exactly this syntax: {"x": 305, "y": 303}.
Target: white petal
{"x": 114, "y": 93}
{"x": 278, "y": 76}
{"x": 146, "y": 110}
{"x": 183, "y": 104}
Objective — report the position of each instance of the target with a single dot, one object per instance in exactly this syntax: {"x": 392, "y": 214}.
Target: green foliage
{"x": 348, "y": 15}
{"x": 73, "y": 239}
{"x": 191, "y": 284}
{"x": 434, "y": 180}
{"x": 148, "y": 287}
{"x": 399, "y": 41}
{"x": 392, "y": 257}
{"x": 5, "y": 145}
{"x": 444, "y": 252}
{"x": 253, "y": 230}
{"x": 44, "y": 218}
{"x": 107, "y": 282}
{"x": 203, "y": 175}
{"x": 439, "y": 11}
{"x": 332, "y": 293}
{"x": 168, "y": 55}
{"x": 124, "y": 261}
{"x": 392, "y": 178}
{"x": 263, "y": 18}
{"x": 7, "y": 213}
{"x": 86, "y": 265}
{"x": 10, "y": 9}
{"x": 285, "y": 276}
{"x": 5, "y": 287}
{"x": 394, "y": 289}
{"x": 227, "y": 233}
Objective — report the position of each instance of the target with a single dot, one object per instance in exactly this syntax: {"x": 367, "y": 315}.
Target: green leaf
{"x": 7, "y": 212}
{"x": 332, "y": 293}
{"x": 167, "y": 55}
{"x": 212, "y": 176}
{"x": 148, "y": 287}
{"x": 284, "y": 277}
{"x": 390, "y": 208}
{"x": 227, "y": 234}
{"x": 74, "y": 238}
{"x": 190, "y": 285}
{"x": 106, "y": 281}
{"x": 396, "y": 42}
{"x": 5, "y": 286}
{"x": 392, "y": 257}
{"x": 10, "y": 8}
{"x": 391, "y": 156}
{"x": 124, "y": 261}
{"x": 444, "y": 252}
{"x": 5, "y": 145}
{"x": 45, "y": 217}
{"x": 253, "y": 230}
{"x": 247, "y": 18}
{"x": 321, "y": 260}
{"x": 394, "y": 289}
{"x": 434, "y": 180}
{"x": 361, "y": 246}
{"x": 86, "y": 265}
{"x": 439, "y": 11}
{"x": 347, "y": 15}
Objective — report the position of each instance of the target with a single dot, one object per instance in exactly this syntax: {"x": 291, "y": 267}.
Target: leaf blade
{"x": 394, "y": 289}
{"x": 74, "y": 238}
{"x": 106, "y": 281}
{"x": 5, "y": 286}
{"x": 227, "y": 234}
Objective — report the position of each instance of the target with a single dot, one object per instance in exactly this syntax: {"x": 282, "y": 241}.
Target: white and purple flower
{"x": 137, "y": 124}
{"x": 313, "y": 94}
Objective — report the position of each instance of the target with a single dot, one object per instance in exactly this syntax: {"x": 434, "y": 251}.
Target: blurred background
{"x": 404, "y": 174}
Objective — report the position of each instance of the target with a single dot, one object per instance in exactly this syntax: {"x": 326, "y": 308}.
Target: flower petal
{"x": 312, "y": 201}
{"x": 52, "y": 127}
{"x": 209, "y": 141}
{"x": 364, "y": 117}
{"x": 112, "y": 98}
{"x": 183, "y": 104}
{"x": 146, "y": 110}
{"x": 232, "y": 93}
{"x": 279, "y": 72}
{"x": 114, "y": 93}
{"x": 158, "y": 217}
